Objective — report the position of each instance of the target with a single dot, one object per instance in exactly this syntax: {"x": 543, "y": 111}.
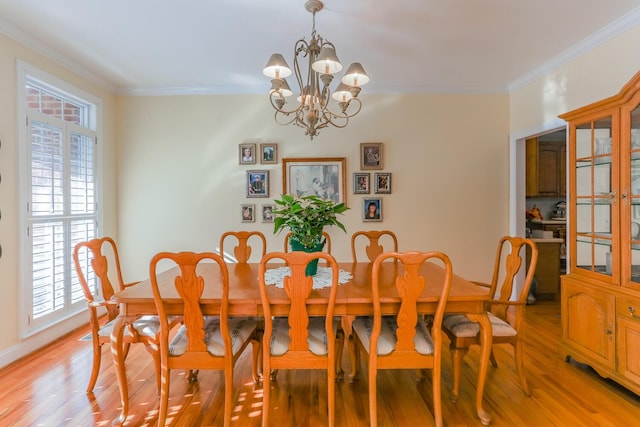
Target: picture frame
{"x": 247, "y": 154}
{"x": 266, "y": 214}
{"x": 268, "y": 154}
{"x": 322, "y": 176}
{"x": 247, "y": 212}
{"x": 361, "y": 183}
{"x": 370, "y": 214}
{"x": 382, "y": 183}
{"x": 257, "y": 183}
{"x": 371, "y": 156}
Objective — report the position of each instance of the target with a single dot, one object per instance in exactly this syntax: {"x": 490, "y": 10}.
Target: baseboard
{"x": 41, "y": 339}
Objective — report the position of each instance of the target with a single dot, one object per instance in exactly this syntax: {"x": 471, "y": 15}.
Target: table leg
{"x": 486, "y": 337}
{"x": 117, "y": 351}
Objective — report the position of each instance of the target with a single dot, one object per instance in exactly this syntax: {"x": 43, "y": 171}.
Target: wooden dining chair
{"x": 372, "y": 239}
{"x": 506, "y": 314}
{"x": 299, "y": 340}
{"x": 92, "y": 260}
{"x": 374, "y": 248}
{"x": 242, "y": 251}
{"x": 403, "y": 341}
{"x": 327, "y": 247}
{"x": 202, "y": 342}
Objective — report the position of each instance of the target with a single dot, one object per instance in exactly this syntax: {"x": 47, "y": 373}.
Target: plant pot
{"x": 312, "y": 267}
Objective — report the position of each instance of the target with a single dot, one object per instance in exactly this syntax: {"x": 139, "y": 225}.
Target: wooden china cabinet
{"x": 600, "y": 296}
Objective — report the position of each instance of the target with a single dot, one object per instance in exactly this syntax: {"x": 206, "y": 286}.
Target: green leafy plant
{"x": 306, "y": 216}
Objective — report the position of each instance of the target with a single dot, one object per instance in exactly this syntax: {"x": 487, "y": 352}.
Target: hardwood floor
{"x": 48, "y": 389}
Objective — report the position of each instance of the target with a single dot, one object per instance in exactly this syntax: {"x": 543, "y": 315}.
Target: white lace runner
{"x": 322, "y": 279}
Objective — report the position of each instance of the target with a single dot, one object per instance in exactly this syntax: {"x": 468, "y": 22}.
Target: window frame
{"x": 26, "y": 74}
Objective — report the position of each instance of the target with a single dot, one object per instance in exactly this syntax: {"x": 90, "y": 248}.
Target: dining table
{"x": 353, "y": 299}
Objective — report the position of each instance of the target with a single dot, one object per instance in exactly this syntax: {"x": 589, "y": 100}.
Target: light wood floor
{"x": 48, "y": 389}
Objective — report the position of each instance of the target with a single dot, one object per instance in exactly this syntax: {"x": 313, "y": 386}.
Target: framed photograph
{"x": 267, "y": 216}
{"x": 257, "y": 183}
{"x": 361, "y": 183}
{"x": 382, "y": 183}
{"x": 324, "y": 177}
{"x": 372, "y": 210}
{"x": 371, "y": 155}
{"x": 247, "y": 154}
{"x": 268, "y": 154}
{"x": 248, "y": 212}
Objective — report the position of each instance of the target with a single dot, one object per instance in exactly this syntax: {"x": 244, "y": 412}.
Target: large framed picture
{"x": 258, "y": 183}
{"x": 371, "y": 155}
{"x": 324, "y": 177}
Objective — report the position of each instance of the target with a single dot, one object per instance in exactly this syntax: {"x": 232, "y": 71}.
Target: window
{"x": 59, "y": 178}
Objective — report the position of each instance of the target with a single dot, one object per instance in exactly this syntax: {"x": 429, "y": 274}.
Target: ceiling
{"x": 221, "y": 46}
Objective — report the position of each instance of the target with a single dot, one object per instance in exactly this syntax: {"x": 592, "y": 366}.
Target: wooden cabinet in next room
{"x": 546, "y": 168}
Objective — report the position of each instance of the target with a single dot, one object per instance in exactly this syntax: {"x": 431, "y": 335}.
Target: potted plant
{"x": 306, "y": 217}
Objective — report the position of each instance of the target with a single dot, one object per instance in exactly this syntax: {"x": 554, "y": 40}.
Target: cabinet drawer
{"x": 628, "y": 308}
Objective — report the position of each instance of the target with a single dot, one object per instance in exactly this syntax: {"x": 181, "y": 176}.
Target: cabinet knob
{"x": 632, "y": 312}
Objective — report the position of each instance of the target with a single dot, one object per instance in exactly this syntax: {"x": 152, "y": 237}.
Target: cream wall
{"x": 181, "y": 185}
{"x": 11, "y": 346}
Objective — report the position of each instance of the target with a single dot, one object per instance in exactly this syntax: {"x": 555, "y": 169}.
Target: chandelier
{"x": 312, "y": 112}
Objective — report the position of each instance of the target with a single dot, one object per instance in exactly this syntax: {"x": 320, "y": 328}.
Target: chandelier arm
{"x": 277, "y": 117}
{"x": 301, "y": 49}
{"x": 273, "y": 99}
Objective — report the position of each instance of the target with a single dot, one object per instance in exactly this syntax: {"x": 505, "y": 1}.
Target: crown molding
{"x": 607, "y": 33}
{"x": 53, "y": 55}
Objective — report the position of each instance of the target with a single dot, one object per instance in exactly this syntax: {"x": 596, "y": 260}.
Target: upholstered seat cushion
{"x": 461, "y": 326}
{"x": 387, "y": 341}
{"x": 239, "y": 328}
{"x": 147, "y": 326}
{"x": 317, "y": 338}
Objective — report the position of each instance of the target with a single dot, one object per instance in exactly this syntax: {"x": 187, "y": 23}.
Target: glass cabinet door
{"x": 631, "y": 204}
{"x": 595, "y": 198}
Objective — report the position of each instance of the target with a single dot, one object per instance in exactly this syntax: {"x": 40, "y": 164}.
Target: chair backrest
{"x": 410, "y": 285}
{"x": 242, "y": 251}
{"x": 374, "y": 248}
{"x": 93, "y": 256}
{"x": 189, "y": 286}
{"x": 510, "y": 258}
{"x": 298, "y": 287}
{"x": 327, "y": 247}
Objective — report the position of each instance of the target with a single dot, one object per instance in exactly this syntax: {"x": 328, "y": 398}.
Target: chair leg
{"x": 95, "y": 367}
{"x": 492, "y": 358}
{"x": 153, "y": 350}
{"x": 228, "y": 395}
{"x": 457, "y": 354}
{"x": 339, "y": 351}
{"x": 192, "y": 375}
{"x": 354, "y": 358}
{"x": 164, "y": 396}
{"x": 437, "y": 391}
{"x": 266, "y": 391}
{"x": 256, "y": 364}
{"x": 518, "y": 351}
{"x": 373, "y": 397}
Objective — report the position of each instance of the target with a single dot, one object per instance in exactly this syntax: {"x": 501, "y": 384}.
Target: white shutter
{"x": 62, "y": 212}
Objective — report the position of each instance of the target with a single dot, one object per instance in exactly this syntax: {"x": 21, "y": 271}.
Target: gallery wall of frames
{"x": 325, "y": 177}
